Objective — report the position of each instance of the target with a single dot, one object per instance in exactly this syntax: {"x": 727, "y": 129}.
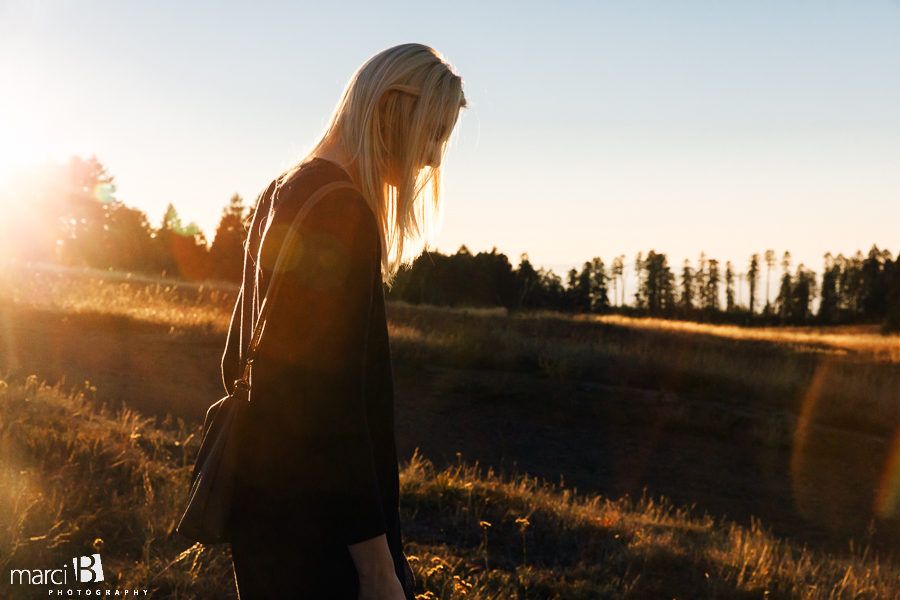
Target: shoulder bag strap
{"x": 285, "y": 251}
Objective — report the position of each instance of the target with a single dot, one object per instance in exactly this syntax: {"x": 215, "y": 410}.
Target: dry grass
{"x": 857, "y": 373}
{"x": 73, "y": 474}
{"x": 181, "y": 305}
{"x": 858, "y": 370}
{"x": 862, "y": 340}
{"x": 76, "y": 478}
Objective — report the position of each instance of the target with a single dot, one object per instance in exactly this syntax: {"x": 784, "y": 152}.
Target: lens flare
{"x": 104, "y": 192}
{"x": 887, "y": 499}
{"x": 804, "y": 487}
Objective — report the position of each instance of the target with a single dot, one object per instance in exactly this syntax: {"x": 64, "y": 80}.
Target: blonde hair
{"x": 398, "y": 109}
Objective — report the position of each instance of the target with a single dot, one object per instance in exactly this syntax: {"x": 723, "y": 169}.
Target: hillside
{"x": 783, "y": 436}
{"x": 78, "y": 478}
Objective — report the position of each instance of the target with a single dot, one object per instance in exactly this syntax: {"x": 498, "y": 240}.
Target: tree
{"x": 729, "y": 287}
{"x": 527, "y": 283}
{"x": 828, "y": 307}
{"x": 712, "y": 286}
{"x": 770, "y": 262}
{"x": 553, "y": 288}
{"x": 700, "y": 276}
{"x": 802, "y": 293}
{"x": 687, "y": 283}
{"x": 127, "y": 239}
{"x": 90, "y": 190}
{"x": 599, "y": 290}
{"x": 618, "y": 268}
{"x": 874, "y": 284}
{"x": 227, "y": 252}
{"x": 657, "y": 290}
{"x": 180, "y": 250}
{"x": 850, "y": 284}
{"x": 638, "y": 271}
{"x": 783, "y": 301}
{"x": 579, "y": 289}
{"x": 752, "y": 278}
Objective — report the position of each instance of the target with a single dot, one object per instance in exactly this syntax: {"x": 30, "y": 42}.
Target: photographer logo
{"x": 82, "y": 570}
{"x": 88, "y": 569}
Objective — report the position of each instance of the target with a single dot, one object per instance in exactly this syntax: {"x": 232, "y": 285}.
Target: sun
{"x": 17, "y": 152}
{"x": 30, "y": 138}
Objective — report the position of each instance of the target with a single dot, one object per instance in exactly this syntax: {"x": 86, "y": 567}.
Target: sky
{"x": 594, "y": 128}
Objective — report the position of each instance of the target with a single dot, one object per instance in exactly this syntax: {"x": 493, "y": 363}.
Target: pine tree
{"x": 227, "y": 252}
{"x": 618, "y": 270}
{"x": 802, "y": 294}
{"x": 639, "y": 270}
{"x": 828, "y": 307}
{"x": 700, "y": 276}
{"x": 687, "y": 286}
{"x": 599, "y": 290}
{"x": 729, "y": 287}
{"x": 752, "y": 278}
{"x": 712, "y": 286}
{"x": 180, "y": 250}
{"x": 770, "y": 263}
{"x": 527, "y": 283}
{"x": 783, "y": 302}
{"x": 657, "y": 291}
{"x": 128, "y": 242}
{"x": 89, "y": 191}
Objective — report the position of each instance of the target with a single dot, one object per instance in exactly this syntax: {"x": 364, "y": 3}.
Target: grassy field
{"x": 78, "y": 478}
{"x": 814, "y": 411}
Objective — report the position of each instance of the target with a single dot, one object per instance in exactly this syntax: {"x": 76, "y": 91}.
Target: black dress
{"x": 318, "y": 459}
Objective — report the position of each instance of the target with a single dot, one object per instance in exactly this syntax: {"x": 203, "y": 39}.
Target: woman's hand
{"x": 381, "y": 585}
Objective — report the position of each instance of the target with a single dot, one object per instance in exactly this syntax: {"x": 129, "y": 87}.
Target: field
{"x": 542, "y": 455}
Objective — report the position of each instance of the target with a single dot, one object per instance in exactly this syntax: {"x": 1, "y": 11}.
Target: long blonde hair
{"x": 403, "y": 102}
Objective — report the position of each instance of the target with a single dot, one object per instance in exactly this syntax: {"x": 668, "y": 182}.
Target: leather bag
{"x": 206, "y": 518}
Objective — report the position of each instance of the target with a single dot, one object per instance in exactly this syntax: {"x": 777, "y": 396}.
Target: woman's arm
{"x": 377, "y": 578}
{"x": 372, "y": 557}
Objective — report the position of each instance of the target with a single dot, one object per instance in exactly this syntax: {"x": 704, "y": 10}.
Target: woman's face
{"x": 438, "y": 132}
{"x": 433, "y": 145}
{"x": 431, "y": 155}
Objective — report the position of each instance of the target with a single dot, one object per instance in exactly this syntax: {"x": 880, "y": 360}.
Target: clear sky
{"x": 594, "y": 128}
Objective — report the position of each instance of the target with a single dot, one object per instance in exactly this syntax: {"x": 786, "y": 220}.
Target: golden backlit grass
{"x": 766, "y": 369}
{"x": 76, "y": 478}
{"x": 771, "y": 368}
{"x": 865, "y": 340}
{"x": 205, "y": 306}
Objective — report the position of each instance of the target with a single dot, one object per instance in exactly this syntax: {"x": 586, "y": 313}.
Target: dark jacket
{"x": 317, "y": 458}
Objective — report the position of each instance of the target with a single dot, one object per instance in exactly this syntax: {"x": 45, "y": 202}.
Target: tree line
{"x": 855, "y": 289}
{"x": 69, "y": 214}
{"x": 72, "y": 217}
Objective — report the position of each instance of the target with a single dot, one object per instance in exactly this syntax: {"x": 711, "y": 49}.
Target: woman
{"x": 316, "y": 507}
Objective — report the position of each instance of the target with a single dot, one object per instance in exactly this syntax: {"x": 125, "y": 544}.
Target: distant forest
{"x": 72, "y": 217}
